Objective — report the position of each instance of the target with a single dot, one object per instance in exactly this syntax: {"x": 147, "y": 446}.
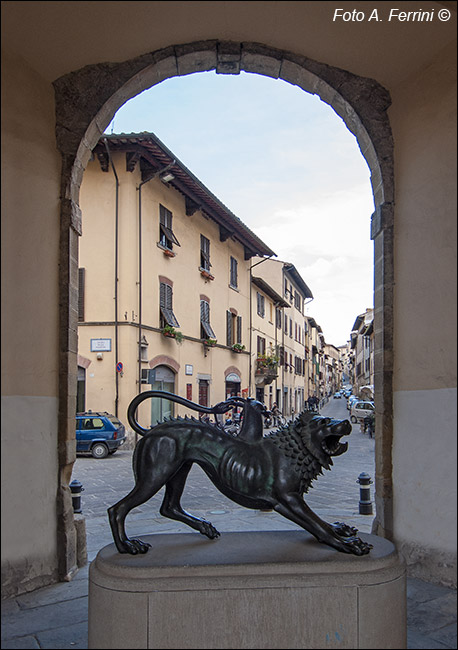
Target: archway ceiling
{"x": 57, "y": 38}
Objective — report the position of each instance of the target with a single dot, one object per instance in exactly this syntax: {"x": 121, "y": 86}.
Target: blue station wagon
{"x": 99, "y": 433}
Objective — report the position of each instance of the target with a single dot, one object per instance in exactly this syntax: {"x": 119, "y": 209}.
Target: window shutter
{"x": 239, "y": 329}
{"x": 234, "y": 278}
{"x": 205, "y": 253}
{"x": 81, "y": 287}
{"x": 166, "y": 235}
{"x": 166, "y": 305}
{"x": 205, "y": 319}
{"x": 229, "y": 328}
{"x": 169, "y": 296}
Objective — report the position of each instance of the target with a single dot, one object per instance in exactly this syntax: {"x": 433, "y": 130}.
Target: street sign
{"x": 119, "y": 367}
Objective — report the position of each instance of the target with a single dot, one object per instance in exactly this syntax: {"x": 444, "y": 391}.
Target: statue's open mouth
{"x": 333, "y": 447}
{"x": 331, "y": 444}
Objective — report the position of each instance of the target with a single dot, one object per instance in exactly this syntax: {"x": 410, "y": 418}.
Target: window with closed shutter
{"x": 203, "y": 392}
{"x": 234, "y": 273}
{"x": 261, "y": 346}
{"x": 229, "y": 328}
{"x": 239, "y": 329}
{"x": 166, "y": 306}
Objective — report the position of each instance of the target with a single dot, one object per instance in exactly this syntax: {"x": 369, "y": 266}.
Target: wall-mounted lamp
{"x": 167, "y": 177}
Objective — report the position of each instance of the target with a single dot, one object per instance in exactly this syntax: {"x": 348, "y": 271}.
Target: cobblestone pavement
{"x": 56, "y": 616}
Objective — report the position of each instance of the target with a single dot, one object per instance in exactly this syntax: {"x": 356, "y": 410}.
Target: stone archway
{"x": 86, "y": 101}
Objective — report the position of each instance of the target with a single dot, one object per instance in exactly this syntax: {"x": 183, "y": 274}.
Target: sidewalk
{"x": 56, "y": 616}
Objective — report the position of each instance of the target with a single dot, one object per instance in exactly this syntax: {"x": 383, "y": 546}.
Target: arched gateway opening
{"x": 86, "y": 101}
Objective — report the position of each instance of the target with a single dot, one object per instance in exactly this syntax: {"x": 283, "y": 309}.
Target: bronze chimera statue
{"x": 255, "y": 471}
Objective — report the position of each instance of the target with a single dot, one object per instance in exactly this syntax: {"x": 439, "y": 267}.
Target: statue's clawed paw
{"x": 357, "y": 546}
{"x": 135, "y": 546}
{"x": 344, "y": 530}
{"x": 206, "y": 528}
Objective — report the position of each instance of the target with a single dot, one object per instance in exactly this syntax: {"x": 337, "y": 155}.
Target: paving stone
{"x": 63, "y": 638}
{"x": 418, "y": 641}
{"x": 47, "y": 617}
{"x": 21, "y": 643}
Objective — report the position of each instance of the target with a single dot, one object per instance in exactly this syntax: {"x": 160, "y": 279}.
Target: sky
{"x": 287, "y": 166}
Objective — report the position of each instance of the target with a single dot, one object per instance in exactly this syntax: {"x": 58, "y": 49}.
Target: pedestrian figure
{"x": 275, "y": 413}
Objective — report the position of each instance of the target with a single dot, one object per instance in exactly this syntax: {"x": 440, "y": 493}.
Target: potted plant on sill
{"x": 209, "y": 343}
{"x": 172, "y": 333}
{"x": 237, "y": 347}
{"x": 267, "y": 361}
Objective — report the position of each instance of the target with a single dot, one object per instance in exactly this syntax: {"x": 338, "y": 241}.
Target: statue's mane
{"x": 294, "y": 440}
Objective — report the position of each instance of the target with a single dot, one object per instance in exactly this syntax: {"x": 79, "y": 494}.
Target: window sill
{"x": 231, "y": 286}
{"x": 167, "y": 252}
{"x": 206, "y": 274}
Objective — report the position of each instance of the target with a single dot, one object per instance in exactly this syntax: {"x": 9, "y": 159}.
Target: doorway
{"x": 162, "y": 408}
{"x": 81, "y": 390}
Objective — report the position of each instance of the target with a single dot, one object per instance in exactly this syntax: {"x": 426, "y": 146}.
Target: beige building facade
{"x": 288, "y": 340}
{"x": 164, "y": 284}
{"x": 64, "y": 75}
{"x": 362, "y": 344}
{"x": 333, "y": 369}
{"x": 316, "y": 366}
{"x": 347, "y": 363}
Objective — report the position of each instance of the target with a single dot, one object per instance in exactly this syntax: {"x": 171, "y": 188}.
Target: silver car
{"x": 360, "y": 409}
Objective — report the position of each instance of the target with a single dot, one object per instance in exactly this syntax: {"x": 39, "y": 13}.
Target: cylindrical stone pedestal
{"x": 279, "y": 589}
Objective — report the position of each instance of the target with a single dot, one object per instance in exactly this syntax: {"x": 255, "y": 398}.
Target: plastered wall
{"x": 30, "y": 259}
{"x": 424, "y": 437}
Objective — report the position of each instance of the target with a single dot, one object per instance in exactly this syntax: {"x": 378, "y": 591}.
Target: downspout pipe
{"x": 116, "y": 282}
{"x": 140, "y": 297}
{"x": 140, "y": 273}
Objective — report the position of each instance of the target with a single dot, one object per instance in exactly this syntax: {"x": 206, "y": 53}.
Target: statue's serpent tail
{"x": 221, "y": 407}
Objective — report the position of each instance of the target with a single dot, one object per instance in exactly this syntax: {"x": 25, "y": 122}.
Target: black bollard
{"x": 365, "y": 503}
{"x": 76, "y": 488}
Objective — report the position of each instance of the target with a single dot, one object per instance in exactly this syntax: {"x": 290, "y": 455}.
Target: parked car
{"x": 350, "y": 401}
{"x": 361, "y": 409}
{"x": 99, "y": 433}
{"x": 337, "y": 395}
